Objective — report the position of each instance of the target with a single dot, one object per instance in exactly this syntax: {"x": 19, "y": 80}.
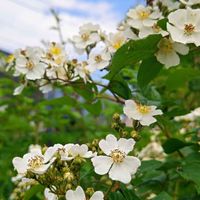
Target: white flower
{"x": 155, "y": 29}
{"x": 144, "y": 114}
{"x": 79, "y": 194}
{"x": 82, "y": 69}
{"x": 142, "y": 16}
{"x": 77, "y": 150}
{"x": 190, "y": 2}
{"x": 49, "y": 195}
{"x": 184, "y": 26}
{"x": 88, "y": 35}
{"x": 98, "y": 60}
{"x": 168, "y": 52}
{"x": 55, "y": 55}
{"x": 34, "y": 161}
{"x": 115, "y": 41}
{"x": 29, "y": 63}
{"x": 116, "y": 162}
{"x": 170, "y": 4}
{"x": 63, "y": 151}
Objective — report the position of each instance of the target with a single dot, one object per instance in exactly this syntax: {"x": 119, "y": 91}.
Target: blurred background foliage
{"x": 75, "y": 114}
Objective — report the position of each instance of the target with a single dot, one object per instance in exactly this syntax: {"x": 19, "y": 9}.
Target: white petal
{"x": 181, "y": 48}
{"x": 102, "y": 164}
{"x": 97, "y": 196}
{"x": 119, "y": 172}
{"x": 109, "y": 144}
{"x": 49, "y": 195}
{"x": 126, "y": 145}
{"x": 168, "y": 59}
{"x": 78, "y": 194}
{"x": 49, "y": 153}
{"x": 147, "y": 120}
{"x": 19, "y": 165}
{"x": 132, "y": 163}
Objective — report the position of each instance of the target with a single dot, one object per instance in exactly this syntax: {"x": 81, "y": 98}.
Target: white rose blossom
{"x": 190, "y": 2}
{"x": 98, "y": 60}
{"x": 155, "y": 29}
{"x": 116, "y": 162}
{"x": 170, "y": 4}
{"x": 115, "y": 40}
{"x": 28, "y": 62}
{"x": 34, "y": 161}
{"x": 143, "y": 113}
{"x": 168, "y": 51}
{"x": 142, "y": 16}
{"x": 79, "y": 194}
{"x": 88, "y": 35}
{"x": 184, "y": 26}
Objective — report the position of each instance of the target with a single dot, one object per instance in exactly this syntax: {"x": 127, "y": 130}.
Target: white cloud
{"x": 28, "y": 22}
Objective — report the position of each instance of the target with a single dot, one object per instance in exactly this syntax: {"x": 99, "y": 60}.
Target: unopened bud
{"x": 89, "y": 191}
{"x": 116, "y": 117}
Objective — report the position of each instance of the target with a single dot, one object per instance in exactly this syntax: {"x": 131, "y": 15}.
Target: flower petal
{"x": 109, "y": 144}
{"x": 102, "y": 164}
{"x": 97, "y": 196}
{"x": 126, "y": 145}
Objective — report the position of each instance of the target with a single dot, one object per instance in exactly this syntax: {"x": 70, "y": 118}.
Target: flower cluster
{"x": 58, "y": 167}
{"x": 53, "y": 64}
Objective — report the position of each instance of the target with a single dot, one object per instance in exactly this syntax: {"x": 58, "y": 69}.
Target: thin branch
{"x": 58, "y": 26}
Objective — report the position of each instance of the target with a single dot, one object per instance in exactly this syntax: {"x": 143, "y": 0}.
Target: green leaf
{"x": 173, "y": 144}
{"x": 120, "y": 87}
{"x": 148, "y": 70}
{"x": 179, "y": 77}
{"x": 163, "y": 196}
{"x": 132, "y": 52}
{"x": 94, "y": 108}
{"x": 191, "y": 169}
{"x": 33, "y": 191}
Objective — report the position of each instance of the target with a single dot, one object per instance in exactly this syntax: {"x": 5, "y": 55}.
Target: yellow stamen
{"x": 143, "y": 109}
{"x": 35, "y": 162}
{"x": 189, "y": 29}
{"x": 117, "y": 156}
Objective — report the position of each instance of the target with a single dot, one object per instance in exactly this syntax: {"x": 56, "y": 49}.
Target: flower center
{"x": 117, "y": 156}
{"x": 55, "y": 50}
{"x": 85, "y": 36}
{"x": 189, "y": 29}
{"x": 166, "y": 46}
{"x": 29, "y": 65}
{"x": 98, "y": 58}
{"x": 143, "y": 14}
{"x": 35, "y": 162}
{"x": 143, "y": 109}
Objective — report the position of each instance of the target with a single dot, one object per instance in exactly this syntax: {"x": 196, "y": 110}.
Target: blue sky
{"x": 28, "y": 22}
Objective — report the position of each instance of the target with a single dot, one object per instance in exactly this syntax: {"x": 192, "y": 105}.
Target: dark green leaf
{"x": 163, "y": 196}
{"x": 191, "y": 169}
{"x": 173, "y": 144}
{"x": 118, "y": 86}
{"x": 148, "y": 70}
{"x": 133, "y": 52}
